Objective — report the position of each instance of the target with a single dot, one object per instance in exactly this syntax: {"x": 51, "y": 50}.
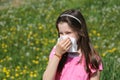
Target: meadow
{"x": 28, "y": 33}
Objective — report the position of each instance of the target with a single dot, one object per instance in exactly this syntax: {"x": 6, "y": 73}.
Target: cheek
{"x": 76, "y": 36}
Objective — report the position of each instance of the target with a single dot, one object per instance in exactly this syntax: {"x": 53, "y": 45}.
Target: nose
{"x": 64, "y": 36}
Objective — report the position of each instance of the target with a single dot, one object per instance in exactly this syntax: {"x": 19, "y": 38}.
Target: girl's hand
{"x": 63, "y": 46}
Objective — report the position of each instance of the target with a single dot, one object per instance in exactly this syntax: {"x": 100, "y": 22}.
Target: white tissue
{"x": 74, "y": 43}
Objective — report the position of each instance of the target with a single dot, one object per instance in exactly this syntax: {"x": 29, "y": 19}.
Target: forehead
{"x": 63, "y": 26}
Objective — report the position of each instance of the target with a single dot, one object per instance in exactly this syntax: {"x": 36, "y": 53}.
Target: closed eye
{"x": 68, "y": 32}
{"x": 60, "y": 33}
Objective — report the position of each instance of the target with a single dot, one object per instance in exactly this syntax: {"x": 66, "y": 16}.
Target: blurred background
{"x": 28, "y": 33}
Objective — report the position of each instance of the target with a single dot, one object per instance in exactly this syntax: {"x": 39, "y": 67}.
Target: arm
{"x": 50, "y": 72}
{"x": 51, "y": 69}
{"x": 95, "y": 76}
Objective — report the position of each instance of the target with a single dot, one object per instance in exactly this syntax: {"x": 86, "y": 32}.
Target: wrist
{"x": 58, "y": 55}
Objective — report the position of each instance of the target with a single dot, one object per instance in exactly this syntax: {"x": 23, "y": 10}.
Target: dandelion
{"x": 103, "y": 54}
{"x": 35, "y": 61}
{"x": 94, "y": 31}
{"x": 37, "y": 49}
{"x": 1, "y": 61}
{"x": 4, "y": 45}
{"x": 37, "y": 57}
{"x": 5, "y": 50}
{"x": 35, "y": 35}
{"x": 4, "y": 69}
{"x": 12, "y": 77}
{"x": 35, "y": 75}
{"x": 24, "y": 71}
{"x": 90, "y": 34}
{"x": 31, "y": 43}
{"x": 40, "y": 27}
{"x": 12, "y": 28}
{"x": 96, "y": 46}
{"x": 98, "y": 34}
{"x": 4, "y": 79}
{"x": 31, "y": 74}
{"x": 37, "y": 42}
{"x": 25, "y": 67}
{"x": 112, "y": 50}
{"x": 8, "y": 75}
{"x": 17, "y": 68}
{"x": 52, "y": 41}
{"x": 8, "y": 58}
{"x": 16, "y": 75}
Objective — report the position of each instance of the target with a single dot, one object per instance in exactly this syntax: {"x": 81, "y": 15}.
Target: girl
{"x": 85, "y": 64}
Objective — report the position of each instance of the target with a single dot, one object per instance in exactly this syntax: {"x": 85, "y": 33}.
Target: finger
{"x": 68, "y": 44}
{"x": 64, "y": 42}
{"x": 68, "y": 47}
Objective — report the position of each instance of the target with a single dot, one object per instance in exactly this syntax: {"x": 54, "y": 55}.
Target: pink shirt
{"x": 73, "y": 70}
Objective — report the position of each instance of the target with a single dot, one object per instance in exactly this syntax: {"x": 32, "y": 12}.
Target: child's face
{"x": 65, "y": 30}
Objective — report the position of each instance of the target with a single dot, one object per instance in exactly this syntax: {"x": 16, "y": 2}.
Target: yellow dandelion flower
{"x": 110, "y": 51}
{"x": 1, "y": 61}
{"x": 35, "y": 61}
{"x": 94, "y": 31}
{"x": 24, "y": 71}
{"x": 4, "y": 79}
{"x": 90, "y": 34}
{"x": 52, "y": 41}
{"x": 37, "y": 41}
{"x": 96, "y": 46}
{"x": 16, "y": 75}
{"x": 37, "y": 57}
{"x": 28, "y": 36}
{"x": 25, "y": 67}
{"x": 4, "y": 69}
{"x": 35, "y": 75}
{"x": 7, "y": 72}
{"x": 98, "y": 34}
{"x": 8, "y": 75}
{"x": 114, "y": 49}
{"x": 40, "y": 27}
{"x": 31, "y": 74}
{"x": 37, "y": 49}
{"x": 35, "y": 35}
{"x": 31, "y": 44}
{"x": 5, "y": 50}
{"x": 12, "y": 77}
{"x": 18, "y": 67}
{"x": 2, "y": 45}
{"x": 103, "y": 54}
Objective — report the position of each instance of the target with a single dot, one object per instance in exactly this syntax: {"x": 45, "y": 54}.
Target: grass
{"x": 27, "y": 34}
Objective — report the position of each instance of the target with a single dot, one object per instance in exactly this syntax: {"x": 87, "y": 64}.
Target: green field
{"x": 27, "y": 34}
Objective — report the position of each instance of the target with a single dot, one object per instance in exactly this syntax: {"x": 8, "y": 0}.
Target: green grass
{"x": 27, "y": 34}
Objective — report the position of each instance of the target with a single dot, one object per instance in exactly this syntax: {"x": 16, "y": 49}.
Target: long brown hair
{"x": 91, "y": 56}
